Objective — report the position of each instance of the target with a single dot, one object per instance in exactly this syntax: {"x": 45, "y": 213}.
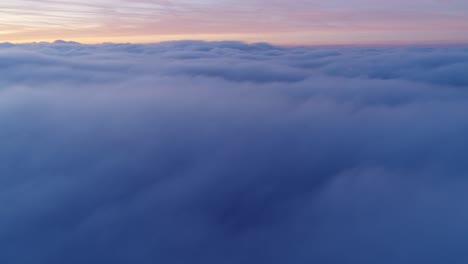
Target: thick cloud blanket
{"x": 224, "y": 152}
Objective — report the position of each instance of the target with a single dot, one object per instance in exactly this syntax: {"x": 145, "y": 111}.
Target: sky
{"x": 227, "y": 132}
{"x": 300, "y": 22}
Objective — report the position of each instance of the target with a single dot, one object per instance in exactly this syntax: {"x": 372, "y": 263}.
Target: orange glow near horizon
{"x": 304, "y": 22}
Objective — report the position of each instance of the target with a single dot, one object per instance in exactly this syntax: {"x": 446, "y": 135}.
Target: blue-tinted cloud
{"x": 223, "y": 152}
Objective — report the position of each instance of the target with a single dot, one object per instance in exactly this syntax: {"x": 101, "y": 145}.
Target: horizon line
{"x": 370, "y": 44}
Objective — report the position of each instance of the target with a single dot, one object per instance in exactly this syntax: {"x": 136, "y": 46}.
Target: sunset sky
{"x": 233, "y": 131}
{"x": 303, "y": 22}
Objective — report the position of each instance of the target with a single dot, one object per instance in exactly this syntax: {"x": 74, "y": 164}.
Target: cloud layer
{"x": 223, "y": 152}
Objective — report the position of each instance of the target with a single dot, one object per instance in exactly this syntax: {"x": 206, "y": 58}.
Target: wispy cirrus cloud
{"x": 303, "y": 22}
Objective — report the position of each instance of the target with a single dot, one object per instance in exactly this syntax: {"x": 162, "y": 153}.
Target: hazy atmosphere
{"x": 303, "y": 22}
{"x": 216, "y": 151}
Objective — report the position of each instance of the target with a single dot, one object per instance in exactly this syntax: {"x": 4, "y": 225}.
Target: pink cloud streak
{"x": 302, "y": 22}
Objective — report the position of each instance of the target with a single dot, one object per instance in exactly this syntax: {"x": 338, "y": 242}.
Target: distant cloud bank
{"x": 224, "y": 152}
